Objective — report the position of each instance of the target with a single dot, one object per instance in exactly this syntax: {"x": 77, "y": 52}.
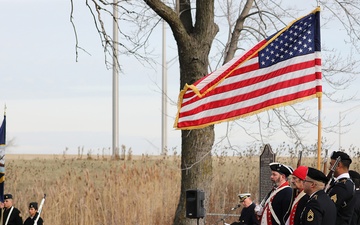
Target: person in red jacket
{"x": 300, "y": 198}
{"x": 274, "y": 211}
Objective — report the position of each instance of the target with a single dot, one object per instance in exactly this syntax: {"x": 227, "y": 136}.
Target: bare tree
{"x": 194, "y": 24}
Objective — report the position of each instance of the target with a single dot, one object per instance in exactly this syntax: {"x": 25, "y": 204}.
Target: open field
{"x": 143, "y": 190}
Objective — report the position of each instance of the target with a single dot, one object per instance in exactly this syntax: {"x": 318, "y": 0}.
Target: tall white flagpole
{"x": 164, "y": 93}
{"x": 115, "y": 85}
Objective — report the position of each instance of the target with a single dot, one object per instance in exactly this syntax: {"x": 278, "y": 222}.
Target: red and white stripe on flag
{"x": 283, "y": 69}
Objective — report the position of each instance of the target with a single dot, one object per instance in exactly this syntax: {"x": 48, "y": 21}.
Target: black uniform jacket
{"x": 248, "y": 216}
{"x": 15, "y": 217}
{"x": 341, "y": 193}
{"x": 30, "y": 221}
{"x": 281, "y": 204}
{"x": 355, "y": 220}
{"x": 319, "y": 210}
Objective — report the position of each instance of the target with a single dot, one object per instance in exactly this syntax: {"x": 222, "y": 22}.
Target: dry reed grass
{"x": 144, "y": 190}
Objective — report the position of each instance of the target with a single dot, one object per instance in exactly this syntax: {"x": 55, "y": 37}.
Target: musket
{"x": 262, "y": 203}
{"x": 330, "y": 175}
{"x": 325, "y": 161}
{"x": 40, "y": 209}
{"x": 259, "y": 208}
{"x": 299, "y": 159}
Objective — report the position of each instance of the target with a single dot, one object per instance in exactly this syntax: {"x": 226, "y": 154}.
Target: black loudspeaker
{"x": 195, "y": 204}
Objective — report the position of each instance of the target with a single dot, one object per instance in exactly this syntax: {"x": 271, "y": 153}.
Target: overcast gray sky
{"x": 54, "y": 102}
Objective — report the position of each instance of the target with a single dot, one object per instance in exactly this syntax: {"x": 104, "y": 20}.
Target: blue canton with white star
{"x": 298, "y": 39}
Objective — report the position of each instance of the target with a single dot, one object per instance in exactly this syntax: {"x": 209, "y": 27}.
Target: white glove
{"x": 258, "y": 210}
{"x": 226, "y": 224}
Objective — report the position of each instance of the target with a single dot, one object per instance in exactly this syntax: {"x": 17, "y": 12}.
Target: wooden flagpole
{"x": 319, "y": 122}
{"x": 319, "y": 132}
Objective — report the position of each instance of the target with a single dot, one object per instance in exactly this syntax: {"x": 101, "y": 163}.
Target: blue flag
{"x": 2, "y": 157}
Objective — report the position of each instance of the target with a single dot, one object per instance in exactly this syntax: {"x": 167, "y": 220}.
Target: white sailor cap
{"x": 243, "y": 196}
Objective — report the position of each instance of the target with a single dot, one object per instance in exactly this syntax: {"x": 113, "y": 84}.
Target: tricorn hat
{"x": 281, "y": 168}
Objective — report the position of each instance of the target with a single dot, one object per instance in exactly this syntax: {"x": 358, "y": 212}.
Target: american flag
{"x": 283, "y": 69}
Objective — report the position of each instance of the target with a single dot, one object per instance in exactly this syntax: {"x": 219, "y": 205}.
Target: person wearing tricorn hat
{"x": 319, "y": 210}
{"x": 300, "y": 198}
{"x": 355, "y": 177}
{"x": 247, "y": 216}
{"x": 342, "y": 190}
{"x": 12, "y": 215}
{"x": 278, "y": 201}
{"x": 33, "y": 211}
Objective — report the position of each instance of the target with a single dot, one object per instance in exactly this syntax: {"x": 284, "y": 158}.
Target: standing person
{"x": 247, "y": 216}
{"x": 33, "y": 211}
{"x": 1, "y": 212}
{"x": 12, "y": 215}
{"x": 279, "y": 200}
{"x": 319, "y": 210}
{"x": 300, "y": 197}
{"x": 355, "y": 177}
{"x": 342, "y": 190}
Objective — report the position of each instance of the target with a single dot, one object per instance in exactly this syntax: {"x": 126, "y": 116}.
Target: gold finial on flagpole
{"x": 5, "y": 110}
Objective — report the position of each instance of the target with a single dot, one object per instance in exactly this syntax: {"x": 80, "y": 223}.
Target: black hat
{"x": 342, "y": 155}
{"x": 355, "y": 176}
{"x": 317, "y": 175}
{"x": 33, "y": 205}
{"x": 281, "y": 168}
{"x": 8, "y": 196}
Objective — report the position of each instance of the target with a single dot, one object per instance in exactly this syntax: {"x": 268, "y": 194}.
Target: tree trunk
{"x": 194, "y": 41}
{"x": 196, "y": 161}
{"x": 196, "y": 164}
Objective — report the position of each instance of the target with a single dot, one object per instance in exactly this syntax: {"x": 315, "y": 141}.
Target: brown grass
{"x": 144, "y": 190}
